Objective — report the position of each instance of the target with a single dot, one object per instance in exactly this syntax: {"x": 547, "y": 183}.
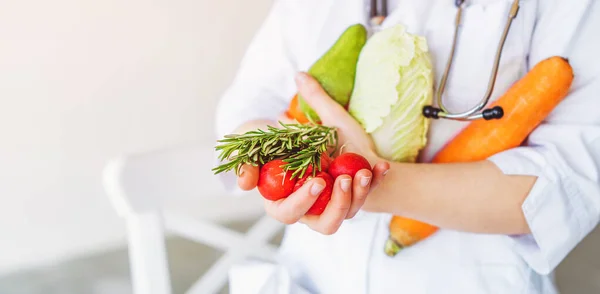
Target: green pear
{"x": 336, "y": 69}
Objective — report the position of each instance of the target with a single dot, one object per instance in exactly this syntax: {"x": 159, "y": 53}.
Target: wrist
{"x": 394, "y": 191}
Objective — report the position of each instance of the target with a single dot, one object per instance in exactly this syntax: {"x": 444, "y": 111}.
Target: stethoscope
{"x": 379, "y": 13}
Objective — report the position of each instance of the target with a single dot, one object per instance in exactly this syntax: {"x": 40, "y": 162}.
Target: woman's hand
{"x": 351, "y": 136}
{"x": 349, "y": 194}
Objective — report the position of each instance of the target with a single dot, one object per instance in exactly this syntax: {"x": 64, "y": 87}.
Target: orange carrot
{"x": 526, "y": 104}
{"x": 405, "y": 232}
{"x": 294, "y": 111}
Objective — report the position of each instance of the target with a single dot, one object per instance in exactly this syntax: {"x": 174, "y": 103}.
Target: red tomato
{"x": 321, "y": 202}
{"x": 273, "y": 182}
{"x": 300, "y": 182}
{"x": 325, "y": 162}
{"x": 348, "y": 164}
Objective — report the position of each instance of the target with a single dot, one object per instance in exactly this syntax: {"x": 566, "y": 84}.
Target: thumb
{"x": 248, "y": 178}
{"x": 310, "y": 89}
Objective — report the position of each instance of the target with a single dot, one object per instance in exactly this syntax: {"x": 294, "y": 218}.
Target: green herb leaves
{"x": 300, "y": 146}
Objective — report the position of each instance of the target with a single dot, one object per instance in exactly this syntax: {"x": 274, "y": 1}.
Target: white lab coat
{"x": 564, "y": 152}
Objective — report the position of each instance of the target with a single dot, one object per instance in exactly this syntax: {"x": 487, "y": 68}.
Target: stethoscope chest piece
{"x": 378, "y": 14}
{"x": 495, "y": 112}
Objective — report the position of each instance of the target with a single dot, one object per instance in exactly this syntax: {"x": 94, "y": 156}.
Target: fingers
{"x": 348, "y": 197}
{"x": 379, "y": 171}
{"x": 289, "y": 210}
{"x": 360, "y": 190}
{"x": 335, "y": 213}
{"x": 327, "y": 108}
{"x": 248, "y": 178}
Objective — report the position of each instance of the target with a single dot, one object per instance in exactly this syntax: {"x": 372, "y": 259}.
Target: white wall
{"x": 83, "y": 81}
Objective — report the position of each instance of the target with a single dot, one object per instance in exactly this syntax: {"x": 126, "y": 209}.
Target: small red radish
{"x": 274, "y": 182}
{"x": 348, "y": 164}
{"x": 325, "y": 162}
{"x": 321, "y": 203}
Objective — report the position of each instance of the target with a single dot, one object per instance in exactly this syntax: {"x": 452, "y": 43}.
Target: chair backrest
{"x": 149, "y": 181}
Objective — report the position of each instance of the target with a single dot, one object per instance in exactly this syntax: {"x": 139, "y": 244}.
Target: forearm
{"x": 474, "y": 197}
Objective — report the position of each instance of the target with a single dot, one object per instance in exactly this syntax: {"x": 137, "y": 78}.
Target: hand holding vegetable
{"x": 351, "y": 135}
{"x": 351, "y": 139}
{"x": 294, "y": 190}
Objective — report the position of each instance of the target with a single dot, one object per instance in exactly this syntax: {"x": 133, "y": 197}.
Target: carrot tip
{"x": 392, "y": 247}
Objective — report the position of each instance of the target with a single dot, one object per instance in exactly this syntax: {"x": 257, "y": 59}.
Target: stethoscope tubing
{"x": 379, "y": 11}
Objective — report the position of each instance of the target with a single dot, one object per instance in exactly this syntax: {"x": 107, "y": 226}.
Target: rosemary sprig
{"x": 300, "y": 146}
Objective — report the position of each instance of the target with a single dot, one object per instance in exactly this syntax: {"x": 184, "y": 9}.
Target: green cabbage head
{"x": 394, "y": 81}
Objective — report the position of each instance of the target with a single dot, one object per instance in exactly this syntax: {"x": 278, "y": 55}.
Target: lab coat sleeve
{"x": 564, "y": 151}
{"x": 263, "y": 84}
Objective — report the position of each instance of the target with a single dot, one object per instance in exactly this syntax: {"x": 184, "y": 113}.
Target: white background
{"x": 84, "y": 81}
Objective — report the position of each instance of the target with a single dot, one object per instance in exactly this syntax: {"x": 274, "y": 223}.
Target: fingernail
{"x": 300, "y": 78}
{"x": 345, "y": 184}
{"x": 385, "y": 172}
{"x": 316, "y": 189}
{"x": 365, "y": 181}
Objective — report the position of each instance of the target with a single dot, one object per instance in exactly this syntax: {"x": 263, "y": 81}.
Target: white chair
{"x": 174, "y": 191}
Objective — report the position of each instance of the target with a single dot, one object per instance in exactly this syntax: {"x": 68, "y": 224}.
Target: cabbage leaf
{"x": 394, "y": 81}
